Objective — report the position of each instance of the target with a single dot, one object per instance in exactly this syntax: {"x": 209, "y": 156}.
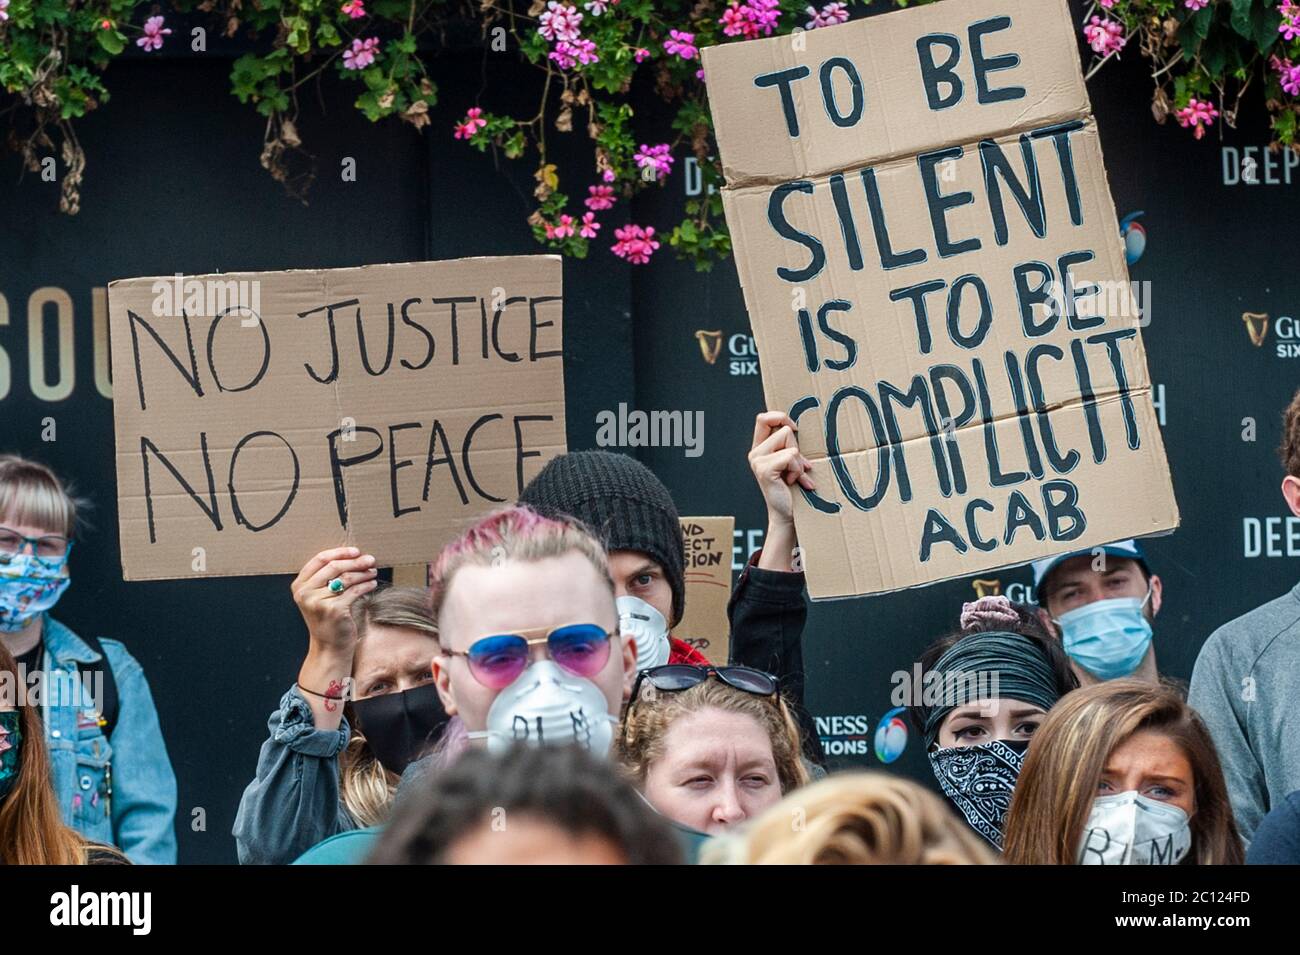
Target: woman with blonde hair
{"x": 109, "y": 769}
{"x": 1122, "y": 773}
{"x": 32, "y": 832}
{"x": 363, "y": 708}
{"x": 710, "y": 747}
{"x": 867, "y": 818}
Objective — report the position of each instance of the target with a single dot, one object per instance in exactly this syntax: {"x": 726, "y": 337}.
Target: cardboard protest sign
{"x": 704, "y": 625}
{"x": 264, "y": 416}
{"x": 411, "y": 575}
{"x": 931, "y": 263}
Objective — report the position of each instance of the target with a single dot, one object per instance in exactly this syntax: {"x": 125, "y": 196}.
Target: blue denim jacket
{"x": 293, "y": 802}
{"x": 119, "y": 789}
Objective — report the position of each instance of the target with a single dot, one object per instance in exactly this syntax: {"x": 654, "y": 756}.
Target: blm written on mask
{"x": 1131, "y": 829}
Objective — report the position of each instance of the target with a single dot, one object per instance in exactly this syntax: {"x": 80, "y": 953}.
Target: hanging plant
{"x": 1205, "y": 57}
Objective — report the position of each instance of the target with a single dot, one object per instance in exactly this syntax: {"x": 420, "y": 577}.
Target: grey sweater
{"x": 1246, "y": 686}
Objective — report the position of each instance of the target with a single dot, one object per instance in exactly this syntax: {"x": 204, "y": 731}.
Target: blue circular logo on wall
{"x": 891, "y": 736}
{"x": 1134, "y": 236}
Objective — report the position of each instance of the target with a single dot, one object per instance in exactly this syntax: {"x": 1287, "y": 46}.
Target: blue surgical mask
{"x": 1108, "y": 638}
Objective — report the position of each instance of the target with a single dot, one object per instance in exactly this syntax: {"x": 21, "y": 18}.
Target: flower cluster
{"x": 1198, "y": 114}
{"x": 827, "y": 16}
{"x": 1104, "y": 36}
{"x": 753, "y": 18}
{"x": 635, "y": 243}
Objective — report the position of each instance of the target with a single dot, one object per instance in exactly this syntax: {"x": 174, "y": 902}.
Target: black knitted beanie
{"x": 622, "y": 501}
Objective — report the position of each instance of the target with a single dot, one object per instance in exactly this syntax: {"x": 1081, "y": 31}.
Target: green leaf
{"x": 1241, "y": 18}
{"x": 112, "y": 41}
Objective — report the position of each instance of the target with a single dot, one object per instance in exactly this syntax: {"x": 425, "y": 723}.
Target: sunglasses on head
{"x": 675, "y": 677}
{"x": 496, "y": 661}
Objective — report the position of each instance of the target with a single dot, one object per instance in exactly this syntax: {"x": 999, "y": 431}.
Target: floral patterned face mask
{"x": 29, "y": 586}
{"x": 10, "y": 750}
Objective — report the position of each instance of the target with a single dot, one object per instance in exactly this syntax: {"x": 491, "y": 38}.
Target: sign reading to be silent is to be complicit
{"x": 932, "y": 267}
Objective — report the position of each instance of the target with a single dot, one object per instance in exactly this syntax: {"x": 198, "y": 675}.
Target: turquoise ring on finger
{"x": 336, "y": 585}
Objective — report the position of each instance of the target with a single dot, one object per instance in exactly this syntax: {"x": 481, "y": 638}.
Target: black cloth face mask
{"x": 401, "y": 727}
{"x": 980, "y": 780}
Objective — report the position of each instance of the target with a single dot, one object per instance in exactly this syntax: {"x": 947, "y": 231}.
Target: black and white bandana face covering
{"x": 979, "y": 781}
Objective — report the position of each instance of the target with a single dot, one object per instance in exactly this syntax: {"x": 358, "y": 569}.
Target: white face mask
{"x": 547, "y": 706}
{"x": 647, "y": 626}
{"x": 1129, "y": 829}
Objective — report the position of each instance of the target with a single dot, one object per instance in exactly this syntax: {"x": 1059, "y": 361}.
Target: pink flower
{"x": 153, "y": 34}
{"x": 562, "y": 230}
{"x": 589, "y": 226}
{"x": 362, "y": 54}
{"x": 560, "y": 22}
{"x": 680, "y": 43}
{"x": 636, "y": 244}
{"x": 471, "y": 124}
{"x": 640, "y": 54}
{"x": 599, "y": 198}
{"x": 608, "y": 175}
{"x": 1288, "y": 73}
{"x": 356, "y": 9}
{"x": 4, "y": 15}
{"x": 659, "y": 158}
{"x": 750, "y": 18}
{"x": 597, "y": 7}
{"x": 567, "y": 54}
{"x": 103, "y": 24}
{"x": 1108, "y": 3}
{"x": 1290, "y": 25}
{"x": 1104, "y": 36}
{"x": 832, "y": 14}
{"x": 1194, "y": 4}
{"x": 1197, "y": 113}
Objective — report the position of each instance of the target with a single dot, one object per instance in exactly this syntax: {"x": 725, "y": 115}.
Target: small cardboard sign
{"x": 932, "y": 267}
{"x": 704, "y": 625}
{"x": 262, "y": 417}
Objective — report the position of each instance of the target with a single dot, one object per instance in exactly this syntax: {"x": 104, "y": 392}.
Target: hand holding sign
{"x": 325, "y": 607}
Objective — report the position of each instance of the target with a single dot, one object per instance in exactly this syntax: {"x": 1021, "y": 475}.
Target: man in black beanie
{"x": 629, "y": 509}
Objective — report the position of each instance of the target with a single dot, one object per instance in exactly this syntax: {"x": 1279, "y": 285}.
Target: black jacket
{"x": 767, "y": 611}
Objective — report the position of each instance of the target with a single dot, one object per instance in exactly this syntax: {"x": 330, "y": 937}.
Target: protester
{"x": 1246, "y": 682}
{"x": 982, "y": 696}
{"x": 111, "y": 776}
{"x": 527, "y": 805}
{"x": 631, "y": 511}
{"x": 710, "y": 748}
{"x": 767, "y": 608}
{"x": 1122, "y": 773}
{"x": 32, "y": 832}
{"x": 854, "y": 819}
{"x": 368, "y": 659}
{"x": 1101, "y": 603}
{"x": 1277, "y": 840}
{"x": 530, "y": 643}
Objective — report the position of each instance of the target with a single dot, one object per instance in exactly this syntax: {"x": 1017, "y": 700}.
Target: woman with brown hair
{"x": 710, "y": 747}
{"x": 32, "y": 831}
{"x": 866, "y": 818}
{"x": 364, "y": 706}
{"x": 1122, "y": 773}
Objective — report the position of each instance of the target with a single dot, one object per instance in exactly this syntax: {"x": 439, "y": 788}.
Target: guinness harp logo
{"x": 710, "y": 344}
{"x": 1256, "y": 326}
{"x": 987, "y": 588}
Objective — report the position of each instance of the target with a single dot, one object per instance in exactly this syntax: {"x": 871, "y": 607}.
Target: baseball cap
{"x": 1128, "y": 548}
